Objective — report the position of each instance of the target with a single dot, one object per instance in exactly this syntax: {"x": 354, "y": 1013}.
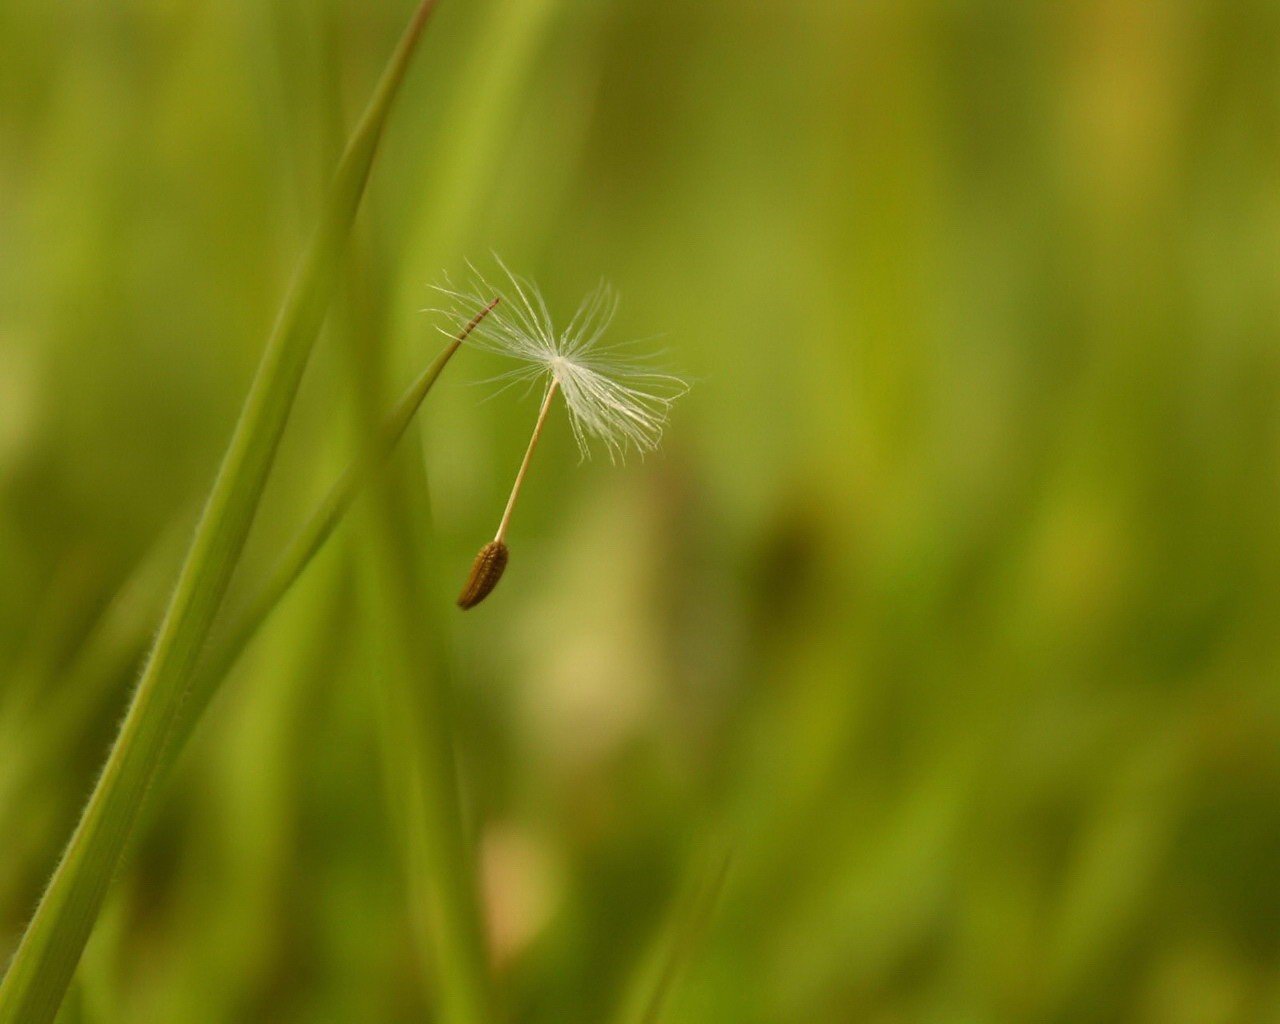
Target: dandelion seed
{"x": 614, "y": 393}
{"x": 487, "y": 569}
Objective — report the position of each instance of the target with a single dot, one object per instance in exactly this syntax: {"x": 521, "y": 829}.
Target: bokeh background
{"x": 949, "y": 605}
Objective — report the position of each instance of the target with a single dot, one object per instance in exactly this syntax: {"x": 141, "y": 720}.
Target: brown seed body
{"x": 486, "y": 570}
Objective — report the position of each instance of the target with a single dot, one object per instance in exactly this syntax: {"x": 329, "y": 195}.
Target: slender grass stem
{"x": 418, "y": 742}
{"x": 678, "y": 943}
{"x": 51, "y": 946}
{"x": 415, "y": 686}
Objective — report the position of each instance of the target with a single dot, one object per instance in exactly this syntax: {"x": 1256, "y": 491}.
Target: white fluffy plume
{"x": 614, "y": 392}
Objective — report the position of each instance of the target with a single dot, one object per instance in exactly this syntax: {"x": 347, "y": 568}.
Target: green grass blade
{"x": 417, "y": 742}
{"x": 229, "y": 643}
{"x": 52, "y": 944}
{"x": 415, "y": 688}
{"x": 474, "y": 125}
{"x": 676, "y": 947}
{"x": 92, "y": 682}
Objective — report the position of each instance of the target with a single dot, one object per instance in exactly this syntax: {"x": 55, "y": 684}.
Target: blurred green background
{"x": 949, "y": 605}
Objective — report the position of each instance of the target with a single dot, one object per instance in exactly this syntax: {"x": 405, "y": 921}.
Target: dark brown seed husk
{"x": 486, "y": 570}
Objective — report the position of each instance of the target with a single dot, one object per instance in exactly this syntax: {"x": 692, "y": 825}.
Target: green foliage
{"x": 52, "y": 943}
{"x": 948, "y": 604}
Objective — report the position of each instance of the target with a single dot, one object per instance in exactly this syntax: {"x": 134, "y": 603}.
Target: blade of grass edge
{"x": 50, "y": 948}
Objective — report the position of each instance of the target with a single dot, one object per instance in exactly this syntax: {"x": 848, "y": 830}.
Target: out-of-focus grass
{"x": 42, "y": 970}
{"x": 949, "y": 604}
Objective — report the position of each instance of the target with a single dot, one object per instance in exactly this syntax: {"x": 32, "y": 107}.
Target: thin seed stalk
{"x": 37, "y": 979}
{"x": 501, "y": 535}
{"x": 491, "y": 561}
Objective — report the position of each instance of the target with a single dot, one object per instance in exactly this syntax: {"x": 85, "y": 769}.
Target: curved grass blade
{"x": 51, "y": 946}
